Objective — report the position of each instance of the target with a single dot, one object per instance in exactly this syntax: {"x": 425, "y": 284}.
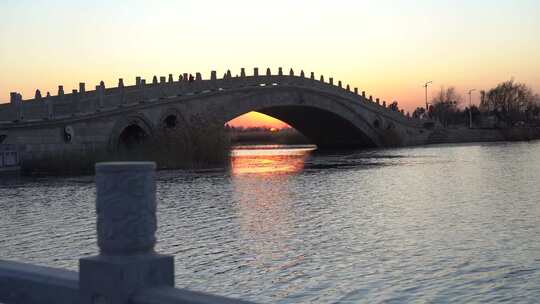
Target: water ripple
{"x": 433, "y": 224}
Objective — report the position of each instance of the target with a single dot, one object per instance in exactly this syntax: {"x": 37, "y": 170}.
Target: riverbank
{"x": 210, "y": 148}
{"x": 255, "y": 136}
{"x": 466, "y": 135}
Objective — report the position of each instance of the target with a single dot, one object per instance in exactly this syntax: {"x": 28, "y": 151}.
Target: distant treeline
{"x": 509, "y": 104}
{"x": 264, "y": 135}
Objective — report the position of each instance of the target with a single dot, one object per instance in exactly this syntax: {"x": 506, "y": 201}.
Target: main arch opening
{"x": 258, "y": 128}
{"x": 266, "y": 146}
{"x": 321, "y": 127}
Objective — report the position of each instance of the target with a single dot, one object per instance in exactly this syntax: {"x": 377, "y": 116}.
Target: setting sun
{"x": 256, "y": 119}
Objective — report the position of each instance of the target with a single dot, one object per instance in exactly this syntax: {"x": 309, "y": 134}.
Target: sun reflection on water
{"x": 269, "y": 159}
{"x": 265, "y": 204}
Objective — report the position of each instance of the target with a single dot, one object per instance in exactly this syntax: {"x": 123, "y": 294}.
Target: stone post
{"x": 16, "y": 102}
{"x": 291, "y": 72}
{"x": 154, "y": 80}
{"x": 198, "y": 85}
{"x": 101, "y": 95}
{"x": 356, "y": 91}
{"x": 126, "y": 227}
{"x": 170, "y": 80}
{"x": 377, "y": 100}
{"x": 61, "y": 90}
{"x": 13, "y": 97}
{"x": 162, "y": 79}
{"x": 302, "y": 74}
{"x": 50, "y": 106}
{"x": 280, "y": 71}
{"x": 322, "y": 79}
{"x": 348, "y": 88}
{"x": 331, "y": 81}
{"x": 340, "y": 84}
{"x": 242, "y": 72}
{"x": 82, "y": 88}
{"x": 75, "y": 102}
{"x": 364, "y": 94}
{"x": 312, "y": 76}
{"x": 213, "y": 80}
{"x": 256, "y": 72}
{"x": 143, "y": 91}
{"x": 138, "y": 81}
{"x": 268, "y": 72}
{"x": 122, "y": 92}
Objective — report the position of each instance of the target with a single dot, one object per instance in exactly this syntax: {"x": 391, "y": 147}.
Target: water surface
{"x": 453, "y": 223}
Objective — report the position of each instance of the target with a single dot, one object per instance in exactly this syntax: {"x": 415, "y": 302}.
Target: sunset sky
{"x": 388, "y": 48}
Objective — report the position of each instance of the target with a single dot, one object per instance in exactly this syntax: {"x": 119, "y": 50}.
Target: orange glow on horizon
{"x": 451, "y": 44}
{"x": 256, "y": 119}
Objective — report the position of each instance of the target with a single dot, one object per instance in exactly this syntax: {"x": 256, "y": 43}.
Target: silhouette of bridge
{"x": 328, "y": 113}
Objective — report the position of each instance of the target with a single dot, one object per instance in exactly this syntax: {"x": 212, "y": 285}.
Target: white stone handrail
{"x": 127, "y": 270}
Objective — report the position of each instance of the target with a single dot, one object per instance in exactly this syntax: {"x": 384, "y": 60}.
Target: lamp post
{"x": 426, "y": 86}
{"x": 470, "y": 107}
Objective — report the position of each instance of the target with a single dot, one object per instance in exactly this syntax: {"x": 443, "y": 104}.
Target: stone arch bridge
{"x": 328, "y": 113}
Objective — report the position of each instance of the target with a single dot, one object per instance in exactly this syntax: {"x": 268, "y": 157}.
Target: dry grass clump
{"x": 202, "y": 146}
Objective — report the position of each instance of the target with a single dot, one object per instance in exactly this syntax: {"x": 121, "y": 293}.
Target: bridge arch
{"x": 327, "y": 120}
{"x": 171, "y": 118}
{"x": 130, "y": 131}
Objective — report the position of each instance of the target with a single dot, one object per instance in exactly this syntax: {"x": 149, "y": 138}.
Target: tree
{"x": 418, "y": 112}
{"x": 510, "y": 101}
{"x": 445, "y": 105}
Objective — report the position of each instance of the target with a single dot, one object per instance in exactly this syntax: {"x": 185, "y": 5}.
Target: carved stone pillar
{"x": 126, "y": 227}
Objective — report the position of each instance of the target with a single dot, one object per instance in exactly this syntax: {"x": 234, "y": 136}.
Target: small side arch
{"x": 130, "y": 131}
{"x": 171, "y": 118}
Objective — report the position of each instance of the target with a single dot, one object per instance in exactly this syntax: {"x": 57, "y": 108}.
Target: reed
{"x": 202, "y": 147}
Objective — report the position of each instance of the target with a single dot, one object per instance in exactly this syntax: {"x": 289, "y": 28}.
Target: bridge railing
{"x": 81, "y": 101}
{"x": 127, "y": 270}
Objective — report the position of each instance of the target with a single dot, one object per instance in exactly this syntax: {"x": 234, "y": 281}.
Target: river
{"x": 449, "y": 223}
